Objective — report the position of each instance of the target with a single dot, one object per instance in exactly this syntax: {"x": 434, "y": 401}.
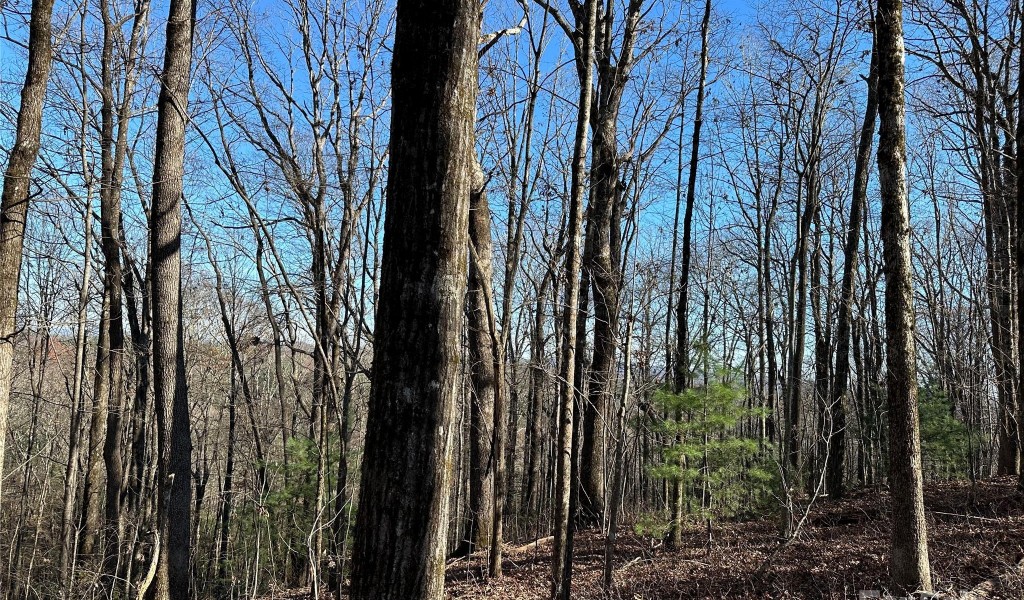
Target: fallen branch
{"x": 535, "y": 544}
{"x": 990, "y": 588}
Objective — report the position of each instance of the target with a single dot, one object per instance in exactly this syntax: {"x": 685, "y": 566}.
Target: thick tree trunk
{"x": 909, "y": 562}
{"x": 14, "y": 202}
{"x": 402, "y": 522}
{"x": 603, "y": 249}
{"x": 171, "y": 394}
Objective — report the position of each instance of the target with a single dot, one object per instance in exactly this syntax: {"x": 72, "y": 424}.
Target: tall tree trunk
{"x": 561, "y": 564}
{"x": 71, "y": 475}
{"x": 402, "y": 521}
{"x": 171, "y": 394}
{"x": 1020, "y": 234}
{"x": 224, "y": 518}
{"x": 615, "y": 497}
{"x": 909, "y": 562}
{"x": 113, "y": 153}
{"x": 835, "y": 478}
{"x": 603, "y": 249}
{"x": 681, "y": 377}
{"x": 484, "y": 378}
{"x": 488, "y": 376}
{"x": 15, "y": 198}
{"x": 92, "y": 494}
{"x": 537, "y": 394}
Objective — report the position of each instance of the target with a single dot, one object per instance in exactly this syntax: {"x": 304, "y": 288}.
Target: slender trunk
{"x": 681, "y": 375}
{"x": 615, "y": 498}
{"x": 69, "y": 530}
{"x": 538, "y": 377}
{"x": 561, "y": 564}
{"x": 1020, "y": 234}
{"x": 486, "y": 352}
{"x": 484, "y": 378}
{"x": 113, "y": 153}
{"x": 835, "y": 481}
{"x": 92, "y": 496}
{"x": 227, "y": 488}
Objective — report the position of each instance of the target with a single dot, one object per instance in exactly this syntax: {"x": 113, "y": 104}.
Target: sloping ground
{"x": 976, "y": 533}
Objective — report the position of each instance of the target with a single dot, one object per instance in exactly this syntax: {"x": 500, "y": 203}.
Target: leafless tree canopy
{"x": 562, "y": 298}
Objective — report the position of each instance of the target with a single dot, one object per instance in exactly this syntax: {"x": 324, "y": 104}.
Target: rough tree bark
{"x": 487, "y": 374}
{"x": 909, "y": 561}
{"x": 401, "y": 528}
{"x": 1019, "y": 163}
{"x": 14, "y": 202}
{"x": 603, "y": 249}
{"x": 109, "y": 359}
{"x": 483, "y": 374}
{"x": 174, "y": 441}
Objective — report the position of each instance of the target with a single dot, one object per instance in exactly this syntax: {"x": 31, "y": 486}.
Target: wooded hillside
{"x": 415, "y": 299}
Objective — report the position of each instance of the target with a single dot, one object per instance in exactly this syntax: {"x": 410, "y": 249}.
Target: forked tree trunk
{"x": 835, "y": 476}
{"x": 402, "y": 522}
{"x": 602, "y": 255}
{"x": 909, "y": 561}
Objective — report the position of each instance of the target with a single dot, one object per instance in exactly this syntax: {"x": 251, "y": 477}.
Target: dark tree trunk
{"x": 537, "y": 405}
{"x": 603, "y": 250}
{"x": 681, "y": 377}
{"x": 1020, "y": 233}
{"x": 835, "y": 476}
{"x": 14, "y": 202}
{"x": 174, "y": 439}
{"x": 402, "y": 521}
{"x": 483, "y": 453}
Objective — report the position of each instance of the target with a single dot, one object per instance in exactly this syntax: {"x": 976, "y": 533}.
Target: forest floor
{"x": 976, "y": 542}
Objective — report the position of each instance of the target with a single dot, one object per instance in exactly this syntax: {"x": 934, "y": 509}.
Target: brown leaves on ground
{"x": 976, "y": 533}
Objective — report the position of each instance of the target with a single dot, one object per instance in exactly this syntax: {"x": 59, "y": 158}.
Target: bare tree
{"x": 835, "y": 478}
{"x": 16, "y": 194}
{"x": 402, "y": 521}
{"x": 171, "y": 393}
{"x": 681, "y": 376}
{"x": 909, "y": 561}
